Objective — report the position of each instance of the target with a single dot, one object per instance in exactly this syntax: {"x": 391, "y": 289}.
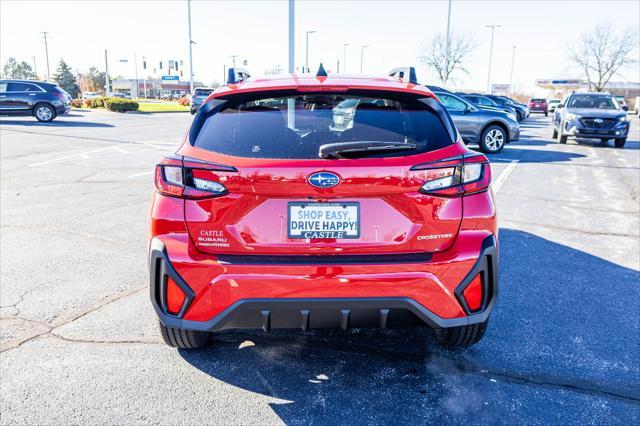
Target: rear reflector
{"x": 175, "y": 297}
{"x": 473, "y": 293}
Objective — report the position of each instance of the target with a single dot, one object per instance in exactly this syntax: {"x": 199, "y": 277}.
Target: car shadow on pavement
{"x": 531, "y": 156}
{"x": 559, "y": 346}
{"x": 54, "y": 123}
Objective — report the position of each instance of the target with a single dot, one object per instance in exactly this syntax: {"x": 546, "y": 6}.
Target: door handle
{"x": 32, "y": 94}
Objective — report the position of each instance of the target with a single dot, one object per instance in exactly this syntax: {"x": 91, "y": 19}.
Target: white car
{"x": 636, "y": 106}
{"x": 90, "y": 95}
{"x": 552, "y": 104}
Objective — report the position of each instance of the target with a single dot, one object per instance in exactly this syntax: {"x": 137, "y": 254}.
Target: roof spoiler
{"x": 236, "y": 75}
{"x": 406, "y": 74}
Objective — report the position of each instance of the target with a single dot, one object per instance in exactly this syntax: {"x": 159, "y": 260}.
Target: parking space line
{"x": 497, "y": 184}
{"x": 140, "y": 174}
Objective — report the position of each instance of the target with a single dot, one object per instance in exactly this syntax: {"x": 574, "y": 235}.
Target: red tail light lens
{"x": 454, "y": 177}
{"x": 175, "y": 297}
{"x": 473, "y": 293}
{"x": 173, "y": 178}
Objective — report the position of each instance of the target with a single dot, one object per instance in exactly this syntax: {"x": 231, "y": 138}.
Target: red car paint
{"x": 195, "y": 231}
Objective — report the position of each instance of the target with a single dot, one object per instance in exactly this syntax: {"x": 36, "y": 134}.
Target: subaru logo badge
{"x": 598, "y": 120}
{"x": 323, "y": 180}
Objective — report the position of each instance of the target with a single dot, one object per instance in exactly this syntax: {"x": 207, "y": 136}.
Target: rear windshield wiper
{"x": 337, "y": 150}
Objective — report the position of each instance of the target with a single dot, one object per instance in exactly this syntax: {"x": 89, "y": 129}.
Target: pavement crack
{"x": 50, "y": 328}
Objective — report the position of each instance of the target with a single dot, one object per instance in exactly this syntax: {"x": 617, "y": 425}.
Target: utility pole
{"x": 306, "y": 55}
{"x": 362, "y": 56}
{"x": 35, "y": 69}
{"x": 106, "y": 74}
{"x": 291, "y": 102}
{"x": 46, "y": 52}
{"x": 135, "y": 66}
{"x": 233, "y": 59}
{"x": 344, "y": 58}
{"x": 191, "y": 42}
{"x": 493, "y": 30}
{"x": 513, "y": 61}
{"x": 445, "y": 74}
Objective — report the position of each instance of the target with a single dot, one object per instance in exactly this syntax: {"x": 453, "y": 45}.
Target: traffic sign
{"x": 170, "y": 77}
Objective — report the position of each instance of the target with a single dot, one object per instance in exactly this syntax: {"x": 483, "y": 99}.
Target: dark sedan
{"x": 42, "y": 100}
{"x": 487, "y": 102}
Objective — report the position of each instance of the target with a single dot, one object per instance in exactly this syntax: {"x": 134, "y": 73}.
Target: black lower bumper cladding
{"x": 323, "y": 312}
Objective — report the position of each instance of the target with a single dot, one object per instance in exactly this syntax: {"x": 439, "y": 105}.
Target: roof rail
{"x": 236, "y": 75}
{"x": 406, "y": 74}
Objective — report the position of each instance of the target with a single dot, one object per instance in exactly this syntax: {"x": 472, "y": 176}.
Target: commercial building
{"x": 559, "y": 88}
{"x": 151, "y": 88}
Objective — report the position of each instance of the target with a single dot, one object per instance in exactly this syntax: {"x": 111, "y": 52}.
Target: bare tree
{"x": 433, "y": 54}
{"x": 602, "y": 54}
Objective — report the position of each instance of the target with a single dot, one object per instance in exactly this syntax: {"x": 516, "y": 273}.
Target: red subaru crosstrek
{"x": 306, "y": 201}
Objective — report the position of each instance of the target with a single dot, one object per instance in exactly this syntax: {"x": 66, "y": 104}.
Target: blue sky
{"x": 257, "y": 32}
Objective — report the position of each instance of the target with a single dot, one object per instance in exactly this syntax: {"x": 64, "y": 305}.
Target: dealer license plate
{"x": 324, "y": 220}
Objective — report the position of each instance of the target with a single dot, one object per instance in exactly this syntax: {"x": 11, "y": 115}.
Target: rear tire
{"x": 44, "y": 113}
{"x": 555, "y": 134}
{"x": 620, "y": 142}
{"x": 184, "y": 339}
{"x": 460, "y": 337}
{"x": 546, "y": 114}
{"x": 493, "y": 139}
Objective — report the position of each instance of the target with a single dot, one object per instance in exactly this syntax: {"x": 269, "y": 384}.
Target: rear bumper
{"x": 394, "y": 301}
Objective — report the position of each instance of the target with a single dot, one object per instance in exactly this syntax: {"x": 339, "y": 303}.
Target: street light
{"x": 306, "y": 55}
{"x": 445, "y": 75}
{"x": 191, "y": 43}
{"x": 493, "y": 30}
{"x": 362, "y": 56}
{"x": 513, "y": 61}
{"x": 344, "y": 59}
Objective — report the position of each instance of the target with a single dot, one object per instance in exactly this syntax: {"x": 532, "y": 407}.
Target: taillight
{"x": 455, "y": 176}
{"x": 189, "y": 179}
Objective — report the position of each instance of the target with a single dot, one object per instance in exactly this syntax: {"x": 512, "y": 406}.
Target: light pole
{"x": 362, "y": 56}
{"x": 306, "y": 55}
{"x": 513, "y": 61}
{"x": 35, "y": 69}
{"x": 445, "y": 74}
{"x": 344, "y": 59}
{"x": 233, "y": 59}
{"x": 191, "y": 43}
{"x": 493, "y": 30}
{"x": 135, "y": 66}
{"x": 292, "y": 34}
{"x": 106, "y": 74}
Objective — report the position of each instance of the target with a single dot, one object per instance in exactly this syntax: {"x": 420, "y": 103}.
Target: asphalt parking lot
{"x": 80, "y": 343}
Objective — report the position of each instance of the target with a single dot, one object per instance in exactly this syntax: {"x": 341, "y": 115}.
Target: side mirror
{"x": 560, "y": 106}
{"x": 624, "y": 107}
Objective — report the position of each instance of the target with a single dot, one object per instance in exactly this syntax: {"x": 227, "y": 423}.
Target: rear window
{"x": 297, "y": 126}
{"x": 202, "y": 92}
{"x": 538, "y": 100}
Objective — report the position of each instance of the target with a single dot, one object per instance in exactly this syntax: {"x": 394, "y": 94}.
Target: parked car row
{"x": 491, "y": 125}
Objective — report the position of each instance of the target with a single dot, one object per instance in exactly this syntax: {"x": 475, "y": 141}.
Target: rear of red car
{"x": 277, "y": 212}
{"x": 538, "y": 105}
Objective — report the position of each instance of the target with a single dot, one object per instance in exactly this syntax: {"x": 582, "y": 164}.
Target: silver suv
{"x": 593, "y": 116}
